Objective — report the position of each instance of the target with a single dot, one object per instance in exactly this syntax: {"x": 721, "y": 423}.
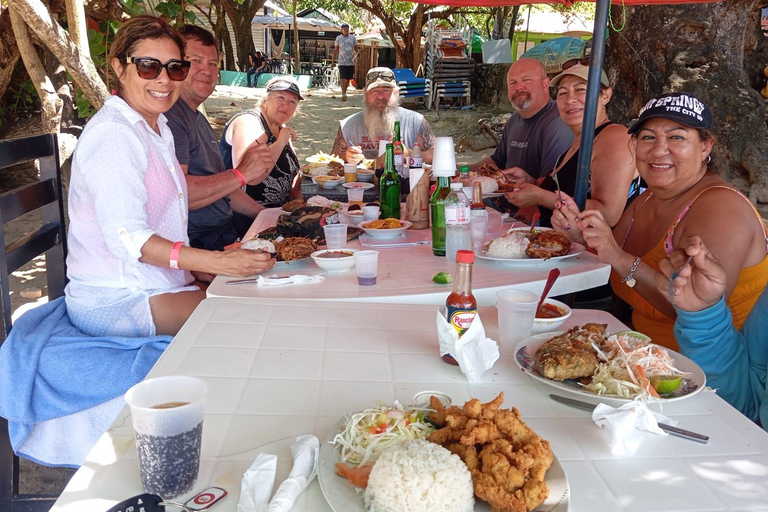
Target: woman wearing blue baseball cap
{"x": 673, "y": 142}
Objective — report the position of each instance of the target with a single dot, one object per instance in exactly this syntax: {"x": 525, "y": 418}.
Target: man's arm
{"x": 335, "y": 53}
{"x": 340, "y": 145}
{"x": 205, "y": 190}
{"x": 426, "y": 140}
{"x": 244, "y": 204}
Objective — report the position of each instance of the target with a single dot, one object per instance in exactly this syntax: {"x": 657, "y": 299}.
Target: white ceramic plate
{"x": 494, "y": 194}
{"x": 358, "y": 184}
{"x": 576, "y": 249}
{"x": 526, "y": 349}
{"x": 386, "y": 233}
{"x": 342, "y": 496}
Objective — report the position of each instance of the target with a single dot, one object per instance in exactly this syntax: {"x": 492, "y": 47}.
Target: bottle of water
{"x": 457, "y": 222}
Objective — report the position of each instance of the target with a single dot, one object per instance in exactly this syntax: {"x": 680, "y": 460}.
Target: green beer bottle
{"x": 437, "y": 213}
{"x": 389, "y": 187}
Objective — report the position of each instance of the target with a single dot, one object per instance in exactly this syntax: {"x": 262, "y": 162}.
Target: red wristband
{"x": 239, "y": 176}
{"x": 175, "y": 251}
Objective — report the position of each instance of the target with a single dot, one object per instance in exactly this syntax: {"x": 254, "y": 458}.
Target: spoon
{"x": 535, "y": 220}
{"x": 551, "y": 278}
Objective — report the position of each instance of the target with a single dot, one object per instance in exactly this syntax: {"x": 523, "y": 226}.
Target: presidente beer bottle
{"x": 389, "y": 187}
{"x": 461, "y": 305}
{"x": 437, "y": 212}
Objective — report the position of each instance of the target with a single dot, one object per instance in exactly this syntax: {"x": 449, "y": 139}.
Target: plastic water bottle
{"x": 457, "y": 223}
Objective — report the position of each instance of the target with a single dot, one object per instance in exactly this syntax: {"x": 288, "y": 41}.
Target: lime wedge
{"x": 443, "y": 278}
{"x": 664, "y": 384}
{"x": 634, "y": 334}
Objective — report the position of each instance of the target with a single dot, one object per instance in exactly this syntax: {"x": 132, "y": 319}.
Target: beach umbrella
{"x": 595, "y": 68}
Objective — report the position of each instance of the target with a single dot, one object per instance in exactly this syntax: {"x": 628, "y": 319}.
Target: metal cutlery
{"x": 669, "y": 429}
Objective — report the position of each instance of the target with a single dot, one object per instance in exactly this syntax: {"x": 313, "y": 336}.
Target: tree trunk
{"x": 76, "y": 25}
{"x": 51, "y": 103}
{"x": 80, "y": 66}
{"x": 700, "y": 49}
{"x": 9, "y": 51}
{"x": 241, "y": 16}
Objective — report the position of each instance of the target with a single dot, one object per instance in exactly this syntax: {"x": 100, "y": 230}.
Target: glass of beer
{"x": 350, "y": 173}
{"x": 167, "y": 415}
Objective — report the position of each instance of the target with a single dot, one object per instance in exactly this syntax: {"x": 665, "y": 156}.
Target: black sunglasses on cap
{"x": 149, "y": 68}
{"x": 584, "y": 61}
{"x": 387, "y": 76}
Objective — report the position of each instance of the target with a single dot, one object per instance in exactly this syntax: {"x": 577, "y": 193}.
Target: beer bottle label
{"x": 461, "y": 318}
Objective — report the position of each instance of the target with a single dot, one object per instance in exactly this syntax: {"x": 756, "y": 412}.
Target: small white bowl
{"x": 364, "y": 176}
{"x": 386, "y": 233}
{"x": 340, "y": 264}
{"x": 551, "y": 324}
{"x": 354, "y": 217}
{"x": 328, "y": 183}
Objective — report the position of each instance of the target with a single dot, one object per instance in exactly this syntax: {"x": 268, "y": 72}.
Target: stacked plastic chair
{"x": 446, "y": 66}
{"x": 410, "y": 85}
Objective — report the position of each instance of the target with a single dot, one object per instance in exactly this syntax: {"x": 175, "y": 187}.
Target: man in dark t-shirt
{"x": 214, "y": 191}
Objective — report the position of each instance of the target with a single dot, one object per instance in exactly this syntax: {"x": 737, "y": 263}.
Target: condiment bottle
{"x": 461, "y": 305}
{"x": 415, "y": 161}
{"x": 389, "y": 187}
{"x": 465, "y": 180}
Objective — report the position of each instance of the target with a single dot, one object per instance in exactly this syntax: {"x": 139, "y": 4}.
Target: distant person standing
{"x": 345, "y": 49}
{"x": 258, "y": 63}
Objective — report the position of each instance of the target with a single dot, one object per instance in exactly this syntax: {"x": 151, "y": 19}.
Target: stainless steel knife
{"x": 669, "y": 429}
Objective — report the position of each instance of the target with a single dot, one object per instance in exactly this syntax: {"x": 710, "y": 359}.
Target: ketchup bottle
{"x": 461, "y": 305}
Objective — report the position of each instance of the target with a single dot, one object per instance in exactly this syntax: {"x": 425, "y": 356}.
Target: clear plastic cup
{"x": 367, "y": 267}
{"x": 444, "y": 156}
{"x": 478, "y": 225}
{"x": 355, "y": 196}
{"x": 517, "y": 310}
{"x": 167, "y": 415}
{"x": 335, "y": 236}
{"x": 371, "y": 212}
{"x": 350, "y": 173}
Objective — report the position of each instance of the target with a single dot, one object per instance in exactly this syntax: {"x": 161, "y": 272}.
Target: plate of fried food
{"x": 386, "y": 457}
{"x": 624, "y": 366}
{"x": 386, "y": 228}
{"x": 521, "y": 246}
{"x": 493, "y": 182}
{"x": 323, "y": 164}
{"x": 286, "y": 249}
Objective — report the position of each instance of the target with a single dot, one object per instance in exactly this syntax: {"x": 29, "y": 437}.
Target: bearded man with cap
{"x": 359, "y": 134}
{"x": 685, "y": 197}
{"x": 215, "y": 190}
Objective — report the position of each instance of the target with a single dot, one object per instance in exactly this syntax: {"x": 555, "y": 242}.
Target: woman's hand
{"x": 525, "y": 194}
{"x": 286, "y": 135}
{"x": 700, "y": 282}
{"x": 245, "y": 262}
{"x": 517, "y": 174}
{"x": 565, "y": 219}
{"x": 598, "y": 235}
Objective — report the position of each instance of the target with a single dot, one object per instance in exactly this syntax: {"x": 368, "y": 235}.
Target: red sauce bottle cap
{"x": 464, "y": 256}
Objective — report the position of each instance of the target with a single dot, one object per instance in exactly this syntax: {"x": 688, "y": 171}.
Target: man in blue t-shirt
{"x": 345, "y": 49}
{"x": 214, "y": 191}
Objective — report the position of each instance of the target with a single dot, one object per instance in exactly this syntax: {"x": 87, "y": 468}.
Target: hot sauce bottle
{"x": 461, "y": 305}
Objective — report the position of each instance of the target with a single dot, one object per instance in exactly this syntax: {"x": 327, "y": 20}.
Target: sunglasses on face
{"x": 584, "y": 61}
{"x": 149, "y": 68}
{"x": 380, "y": 75}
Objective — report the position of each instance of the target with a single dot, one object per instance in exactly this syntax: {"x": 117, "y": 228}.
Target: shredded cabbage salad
{"x": 627, "y": 364}
{"x": 364, "y": 435}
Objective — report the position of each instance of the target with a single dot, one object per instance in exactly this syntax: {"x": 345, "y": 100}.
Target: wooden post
{"x": 297, "y": 66}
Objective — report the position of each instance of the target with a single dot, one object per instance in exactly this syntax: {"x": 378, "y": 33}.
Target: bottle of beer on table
{"x": 437, "y": 211}
{"x": 389, "y": 187}
{"x": 461, "y": 305}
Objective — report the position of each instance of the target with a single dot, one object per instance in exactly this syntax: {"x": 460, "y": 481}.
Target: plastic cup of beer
{"x": 371, "y": 212}
{"x": 350, "y": 173}
{"x": 355, "y": 196}
{"x": 367, "y": 267}
{"x": 167, "y": 415}
{"x": 335, "y": 236}
{"x": 517, "y": 310}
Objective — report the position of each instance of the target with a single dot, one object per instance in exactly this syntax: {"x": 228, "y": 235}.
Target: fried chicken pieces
{"x": 506, "y": 458}
{"x": 546, "y": 244}
{"x": 570, "y": 355}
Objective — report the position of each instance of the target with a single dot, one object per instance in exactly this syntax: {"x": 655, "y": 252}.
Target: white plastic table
{"x": 278, "y": 369}
{"x": 405, "y": 276}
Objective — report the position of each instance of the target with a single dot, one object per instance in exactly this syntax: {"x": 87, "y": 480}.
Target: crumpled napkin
{"x": 625, "y": 422}
{"x": 275, "y": 280}
{"x": 473, "y": 351}
{"x": 258, "y": 481}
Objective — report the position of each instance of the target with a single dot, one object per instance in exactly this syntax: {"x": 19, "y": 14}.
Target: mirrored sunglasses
{"x": 380, "y": 75}
{"x": 149, "y": 68}
{"x": 584, "y": 61}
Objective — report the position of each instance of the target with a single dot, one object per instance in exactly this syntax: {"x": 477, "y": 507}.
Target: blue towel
{"x": 49, "y": 368}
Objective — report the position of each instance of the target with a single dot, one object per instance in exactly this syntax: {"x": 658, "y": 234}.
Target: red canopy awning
{"x": 501, "y": 3}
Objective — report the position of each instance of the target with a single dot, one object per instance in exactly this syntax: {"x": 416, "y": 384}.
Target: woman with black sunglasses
{"x": 129, "y": 263}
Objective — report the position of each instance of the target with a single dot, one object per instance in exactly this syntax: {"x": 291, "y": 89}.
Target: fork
{"x": 557, "y": 183}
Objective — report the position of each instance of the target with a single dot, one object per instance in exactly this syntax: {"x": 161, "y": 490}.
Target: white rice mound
{"x": 510, "y": 245}
{"x": 489, "y": 185}
{"x": 419, "y": 476}
{"x": 258, "y": 243}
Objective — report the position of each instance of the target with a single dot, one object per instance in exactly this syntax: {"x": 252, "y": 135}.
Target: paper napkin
{"x": 275, "y": 280}
{"x": 473, "y": 351}
{"x": 624, "y": 423}
{"x": 258, "y": 481}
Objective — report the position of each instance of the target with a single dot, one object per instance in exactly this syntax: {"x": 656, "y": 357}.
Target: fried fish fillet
{"x": 546, "y": 244}
{"x": 570, "y": 355}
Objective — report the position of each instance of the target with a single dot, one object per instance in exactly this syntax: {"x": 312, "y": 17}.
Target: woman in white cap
{"x": 673, "y": 141}
{"x": 613, "y": 180}
{"x": 266, "y": 124}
